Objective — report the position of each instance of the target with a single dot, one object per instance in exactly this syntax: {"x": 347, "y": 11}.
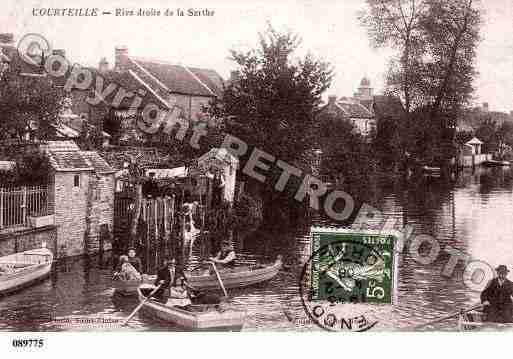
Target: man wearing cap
{"x": 496, "y": 298}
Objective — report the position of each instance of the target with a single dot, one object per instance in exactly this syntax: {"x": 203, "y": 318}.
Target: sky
{"x": 329, "y": 30}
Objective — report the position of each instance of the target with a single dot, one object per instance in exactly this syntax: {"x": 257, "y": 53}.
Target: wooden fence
{"x": 17, "y": 204}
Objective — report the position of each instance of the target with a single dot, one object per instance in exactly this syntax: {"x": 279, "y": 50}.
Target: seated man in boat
{"x": 166, "y": 277}
{"x": 134, "y": 260}
{"x": 496, "y": 298}
{"x": 225, "y": 258}
{"x": 127, "y": 271}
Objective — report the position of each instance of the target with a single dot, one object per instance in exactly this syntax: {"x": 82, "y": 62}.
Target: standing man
{"x": 496, "y": 297}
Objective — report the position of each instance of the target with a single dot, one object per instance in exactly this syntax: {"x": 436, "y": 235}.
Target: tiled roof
{"x": 354, "y": 110}
{"x": 55, "y": 146}
{"x": 69, "y": 161}
{"x": 126, "y": 81}
{"x": 66, "y": 156}
{"x": 388, "y": 106}
{"x": 210, "y": 78}
{"x": 98, "y": 163}
{"x": 179, "y": 79}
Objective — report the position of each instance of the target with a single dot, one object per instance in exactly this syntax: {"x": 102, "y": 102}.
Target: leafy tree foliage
{"x": 434, "y": 65}
{"x": 28, "y": 104}
{"x": 272, "y": 104}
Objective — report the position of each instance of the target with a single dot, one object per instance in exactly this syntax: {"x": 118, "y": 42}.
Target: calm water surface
{"x": 473, "y": 214}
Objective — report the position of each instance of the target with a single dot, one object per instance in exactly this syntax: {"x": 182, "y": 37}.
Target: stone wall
{"x": 81, "y": 211}
{"x": 23, "y": 240}
{"x": 70, "y": 212}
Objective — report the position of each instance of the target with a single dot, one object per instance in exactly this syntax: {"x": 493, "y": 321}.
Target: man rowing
{"x": 496, "y": 297}
{"x": 226, "y": 256}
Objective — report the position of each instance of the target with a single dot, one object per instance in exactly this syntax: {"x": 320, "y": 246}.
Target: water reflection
{"x": 471, "y": 213}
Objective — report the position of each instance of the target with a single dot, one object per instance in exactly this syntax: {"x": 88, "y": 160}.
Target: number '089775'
{"x": 27, "y": 343}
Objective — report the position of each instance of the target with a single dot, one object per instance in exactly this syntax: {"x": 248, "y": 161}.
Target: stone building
{"x": 82, "y": 192}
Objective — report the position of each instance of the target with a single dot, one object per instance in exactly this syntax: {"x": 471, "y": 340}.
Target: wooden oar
{"x": 450, "y": 316}
{"x": 219, "y": 279}
{"x": 140, "y": 305}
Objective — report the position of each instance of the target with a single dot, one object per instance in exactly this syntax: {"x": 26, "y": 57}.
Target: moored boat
{"x": 234, "y": 278}
{"x": 194, "y": 317}
{"x": 129, "y": 287}
{"x": 476, "y": 320}
{"x": 495, "y": 163}
{"x": 238, "y": 277}
{"x": 21, "y": 269}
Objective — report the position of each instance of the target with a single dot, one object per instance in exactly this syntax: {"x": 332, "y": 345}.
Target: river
{"x": 473, "y": 213}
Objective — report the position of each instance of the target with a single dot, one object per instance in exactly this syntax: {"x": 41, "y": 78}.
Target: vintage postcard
{"x": 291, "y": 166}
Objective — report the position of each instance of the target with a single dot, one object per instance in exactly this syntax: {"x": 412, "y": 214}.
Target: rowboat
{"x": 129, "y": 287}
{"x": 192, "y": 317}
{"x": 237, "y": 277}
{"x": 200, "y": 280}
{"x": 24, "y": 268}
{"x": 476, "y": 320}
{"x": 431, "y": 171}
{"x": 495, "y": 163}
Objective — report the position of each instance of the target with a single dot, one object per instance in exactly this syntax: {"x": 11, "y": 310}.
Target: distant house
{"x": 9, "y": 56}
{"x": 348, "y": 109}
{"x": 474, "y": 145}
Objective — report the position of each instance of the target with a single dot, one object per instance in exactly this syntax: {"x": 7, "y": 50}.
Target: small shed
{"x": 83, "y": 197}
{"x": 221, "y": 161}
{"x": 475, "y": 145}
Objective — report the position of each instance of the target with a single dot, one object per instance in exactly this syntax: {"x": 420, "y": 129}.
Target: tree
{"x": 28, "y": 104}
{"x": 397, "y": 24}
{"x": 433, "y": 69}
{"x": 272, "y": 105}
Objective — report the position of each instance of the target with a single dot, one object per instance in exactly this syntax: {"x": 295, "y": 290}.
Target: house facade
{"x": 351, "y": 110}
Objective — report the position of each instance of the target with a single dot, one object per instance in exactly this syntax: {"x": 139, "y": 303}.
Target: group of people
{"x": 172, "y": 282}
{"x": 129, "y": 266}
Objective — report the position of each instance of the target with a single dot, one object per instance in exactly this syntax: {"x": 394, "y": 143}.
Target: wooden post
{"x": 24, "y": 206}
{"x": 1, "y": 208}
{"x": 156, "y": 203}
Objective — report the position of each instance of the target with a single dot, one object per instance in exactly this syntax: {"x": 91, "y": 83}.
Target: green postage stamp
{"x": 353, "y": 266}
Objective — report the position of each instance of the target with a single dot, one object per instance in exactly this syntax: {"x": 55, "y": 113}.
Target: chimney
{"x": 121, "y": 58}
{"x": 234, "y": 76}
{"x": 332, "y": 99}
{"x": 59, "y": 52}
{"x": 6, "y": 39}
{"x": 485, "y": 106}
{"x": 103, "y": 66}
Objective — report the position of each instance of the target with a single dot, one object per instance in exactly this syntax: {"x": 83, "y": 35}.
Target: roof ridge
{"x": 164, "y": 62}
{"x": 137, "y": 78}
{"x": 149, "y": 74}
{"x": 198, "y": 79}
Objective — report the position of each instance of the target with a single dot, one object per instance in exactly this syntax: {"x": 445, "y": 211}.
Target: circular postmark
{"x": 344, "y": 281}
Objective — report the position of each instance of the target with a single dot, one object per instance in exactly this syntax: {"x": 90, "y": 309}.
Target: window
{"x": 76, "y": 181}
